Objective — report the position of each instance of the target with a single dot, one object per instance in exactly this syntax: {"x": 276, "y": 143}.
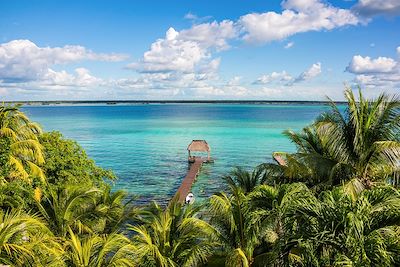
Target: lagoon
{"x": 145, "y": 144}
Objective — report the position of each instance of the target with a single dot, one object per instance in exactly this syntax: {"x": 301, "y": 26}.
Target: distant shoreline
{"x": 119, "y": 102}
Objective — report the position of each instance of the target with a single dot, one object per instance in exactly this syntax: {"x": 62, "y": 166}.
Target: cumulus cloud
{"x": 188, "y": 50}
{"x": 186, "y": 62}
{"x": 298, "y": 16}
{"x": 81, "y": 78}
{"x": 312, "y": 72}
{"x": 381, "y": 72}
{"x": 364, "y": 65}
{"x": 187, "y": 57}
{"x": 283, "y": 78}
{"x": 23, "y": 60}
{"x": 370, "y": 8}
{"x": 191, "y": 50}
{"x": 235, "y": 80}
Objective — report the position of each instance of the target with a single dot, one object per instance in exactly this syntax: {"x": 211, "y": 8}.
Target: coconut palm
{"x": 99, "y": 250}
{"x": 26, "y": 241}
{"x": 271, "y": 209}
{"x": 109, "y": 212}
{"x": 21, "y": 152}
{"x": 173, "y": 237}
{"x": 68, "y": 207}
{"x": 337, "y": 229}
{"x": 244, "y": 180}
{"x": 362, "y": 143}
{"x": 230, "y": 216}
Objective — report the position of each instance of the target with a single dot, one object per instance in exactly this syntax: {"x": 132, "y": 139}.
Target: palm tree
{"x": 110, "y": 211}
{"x": 271, "y": 210}
{"x": 26, "y": 241}
{"x": 231, "y": 218}
{"x": 337, "y": 229}
{"x": 173, "y": 237}
{"x": 361, "y": 144}
{"x": 253, "y": 229}
{"x": 20, "y": 152}
{"x": 245, "y": 180}
{"x": 68, "y": 207}
{"x": 99, "y": 250}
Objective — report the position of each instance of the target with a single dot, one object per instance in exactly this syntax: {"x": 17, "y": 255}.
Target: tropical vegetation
{"x": 334, "y": 202}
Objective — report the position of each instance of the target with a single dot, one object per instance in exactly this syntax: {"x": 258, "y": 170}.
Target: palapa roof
{"x": 199, "y": 145}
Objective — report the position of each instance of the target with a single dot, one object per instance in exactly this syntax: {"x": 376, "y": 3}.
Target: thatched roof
{"x": 199, "y": 145}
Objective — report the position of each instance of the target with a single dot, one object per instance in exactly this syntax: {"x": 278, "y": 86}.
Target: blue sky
{"x": 250, "y": 49}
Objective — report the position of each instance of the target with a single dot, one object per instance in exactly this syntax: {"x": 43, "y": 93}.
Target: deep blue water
{"x": 145, "y": 144}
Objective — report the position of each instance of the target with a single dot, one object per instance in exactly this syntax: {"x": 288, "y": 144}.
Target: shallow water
{"x": 145, "y": 144}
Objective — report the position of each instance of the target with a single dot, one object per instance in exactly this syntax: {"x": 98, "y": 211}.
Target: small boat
{"x": 189, "y": 199}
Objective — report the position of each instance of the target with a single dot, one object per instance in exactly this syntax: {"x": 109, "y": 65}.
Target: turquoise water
{"x": 145, "y": 145}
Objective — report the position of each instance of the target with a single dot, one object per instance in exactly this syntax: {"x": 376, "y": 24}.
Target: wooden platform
{"x": 189, "y": 179}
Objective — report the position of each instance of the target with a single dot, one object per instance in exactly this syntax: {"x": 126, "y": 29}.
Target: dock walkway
{"x": 189, "y": 179}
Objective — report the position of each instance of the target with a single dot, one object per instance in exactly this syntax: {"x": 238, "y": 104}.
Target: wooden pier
{"x": 195, "y": 164}
{"x": 189, "y": 179}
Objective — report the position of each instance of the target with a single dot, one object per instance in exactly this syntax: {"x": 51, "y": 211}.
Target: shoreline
{"x": 144, "y": 102}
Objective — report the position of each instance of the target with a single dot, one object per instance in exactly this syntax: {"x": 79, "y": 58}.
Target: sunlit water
{"x": 145, "y": 145}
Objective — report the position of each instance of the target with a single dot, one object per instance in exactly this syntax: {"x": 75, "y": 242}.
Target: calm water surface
{"x": 145, "y": 145}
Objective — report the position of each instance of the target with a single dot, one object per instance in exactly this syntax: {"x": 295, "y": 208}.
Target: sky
{"x": 198, "y": 50}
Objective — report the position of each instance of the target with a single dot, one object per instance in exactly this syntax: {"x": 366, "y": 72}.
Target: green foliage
{"x": 16, "y": 195}
{"x": 174, "y": 237}
{"x": 4, "y": 158}
{"x": 240, "y": 179}
{"x": 68, "y": 163}
{"x": 360, "y": 143}
{"x": 334, "y": 228}
{"x": 329, "y": 205}
{"x": 26, "y": 241}
{"x": 231, "y": 218}
{"x": 99, "y": 250}
{"x": 21, "y": 152}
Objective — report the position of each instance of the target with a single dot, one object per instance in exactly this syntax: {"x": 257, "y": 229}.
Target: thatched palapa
{"x": 198, "y": 146}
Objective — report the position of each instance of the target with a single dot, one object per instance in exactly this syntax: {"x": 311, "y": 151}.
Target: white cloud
{"x": 312, "y": 72}
{"x": 191, "y": 16}
{"x": 289, "y": 45}
{"x": 363, "y": 65}
{"x": 171, "y": 54}
{"x": 370, "y": 8}
{"x": 382, "y": 72}
{"x": 196, "y": 19}
{"x": 298, "y": 16}
{"x": 235, "y": 80}
{"x": 211, "y": 35}
{"x": 188, "y": 50}
{"x": 187, "y": 57}
{"x": 22, "y": 60}
{"x": 82, "y": 78}
{"x": 185, "y": 63}
{"x": 282, "y": 76}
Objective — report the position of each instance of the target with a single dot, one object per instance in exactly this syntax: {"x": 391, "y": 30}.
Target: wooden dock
{"x": 189, "y": 179}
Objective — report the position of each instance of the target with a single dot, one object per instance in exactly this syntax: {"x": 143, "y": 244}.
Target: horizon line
{"x": 115, "y": 102}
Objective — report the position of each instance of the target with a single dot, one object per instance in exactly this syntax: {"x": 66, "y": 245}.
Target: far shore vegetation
{"x": 335, "y": 202}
